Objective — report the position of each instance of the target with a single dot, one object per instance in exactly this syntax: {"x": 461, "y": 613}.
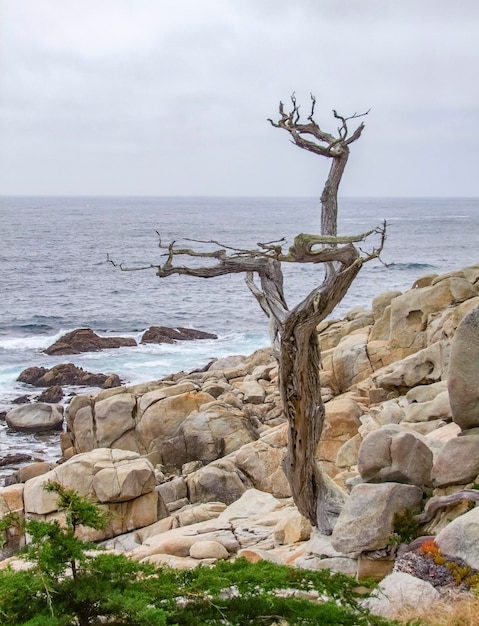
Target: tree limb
{"x": 440, "y": 502}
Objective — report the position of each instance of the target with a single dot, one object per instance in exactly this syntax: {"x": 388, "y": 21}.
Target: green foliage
{"x": 405, "y": 527}
{"x": 68, "y": 587}
{"x": 55, "y": 548}
{"x": 9, "y": 520}
{"x": 78, "y": 509}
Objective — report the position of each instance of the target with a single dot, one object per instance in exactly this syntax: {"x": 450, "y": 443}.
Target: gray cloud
{"x": 171, "y": 96}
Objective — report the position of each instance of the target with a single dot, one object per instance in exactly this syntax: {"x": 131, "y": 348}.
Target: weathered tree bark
{"x": 440, "y": 502}
{"x": 300, "y": 387}
{"x": 300, "y": 358}
{"x": 294, "y": 332}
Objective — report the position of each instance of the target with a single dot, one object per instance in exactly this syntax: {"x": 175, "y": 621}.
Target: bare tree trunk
{"x": 329, "y": 197}
{"x": 300, "y": 387}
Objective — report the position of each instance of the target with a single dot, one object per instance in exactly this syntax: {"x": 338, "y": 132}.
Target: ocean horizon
{"x": 55, "y": 276}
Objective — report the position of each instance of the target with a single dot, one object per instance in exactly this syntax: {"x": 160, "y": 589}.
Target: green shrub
{"x": 68, "y": 586}
{"x": 405, "y": 527}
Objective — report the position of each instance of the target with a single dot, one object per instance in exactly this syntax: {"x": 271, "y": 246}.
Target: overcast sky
{"x": 171, "y": 97}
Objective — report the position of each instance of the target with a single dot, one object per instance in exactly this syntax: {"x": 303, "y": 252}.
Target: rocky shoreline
{"x": 190, "y": 467}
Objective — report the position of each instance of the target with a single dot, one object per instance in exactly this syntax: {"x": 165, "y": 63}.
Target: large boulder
{"x": 101, "y": 424}
{"x": 127, "y": 419}
{"x": 367, "y": 519}
{"x": 67, "y": 374}
{"x": 457, "y": 462}
{"x": 35, "y": 418}
{"x": 206, "y": 435}
{"x": 120, "y": 480}
{"x": 459, "y": 538}
{"x": 342, "y": 421}
{"x": 422, "y": 368}
{"x": 162, "y": 418}
{"x": 463, "y": 377}
{"x": 391, "y": 454}
{"x": 86, "y": 340}
{"x": 262, "y": 462}
{"x": 351, "y": 362}
{"x": 220, "y": 481}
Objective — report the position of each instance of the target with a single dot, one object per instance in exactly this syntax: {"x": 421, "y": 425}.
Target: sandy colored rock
{"x": 119, "y": 478}
{"x": 208, "y": 550}
{"x": 252, "y": 392}
{"x": 409, "y": 312}
{"x": 161, "y": 419}
{"x": 113, "y": 417}
{"x": 464, "y": 372}
{"x": 263, "y": 464}
{"x": 457, "y": 463}
{"x": 218, "y": 481}
{"x": 207, "y": 435}
{"x": 391, "y": 454}
{"x": 351, "y": 363}
{"x": 459, "y": 538}
{"x": 292, "y": 528}
{"x": 366, "y": 520}
{"x": 426, "y": 366}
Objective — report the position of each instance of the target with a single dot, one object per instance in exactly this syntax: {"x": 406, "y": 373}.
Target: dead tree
{"x": 326, "y": 145}
{"x": 293, "y": 332}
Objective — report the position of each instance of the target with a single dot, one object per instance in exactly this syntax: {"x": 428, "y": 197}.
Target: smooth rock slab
{"x": 35, "y": 418}
{"x": 460, "y": 538}
{"x": 366, "y": 520}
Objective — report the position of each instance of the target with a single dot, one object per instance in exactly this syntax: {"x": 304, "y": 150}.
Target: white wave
{"x": 34, "y": 342}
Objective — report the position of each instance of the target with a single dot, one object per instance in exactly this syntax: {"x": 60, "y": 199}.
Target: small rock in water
{"x": 67, "y": 374}
{"x": 13, "y": 459}
{"x": 21, "y": 400}
{"x": 163, "y": 334}
{"x": 52, "y": 395}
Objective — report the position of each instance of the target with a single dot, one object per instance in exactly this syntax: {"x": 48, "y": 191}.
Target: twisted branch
{"x": 334, "y": 145}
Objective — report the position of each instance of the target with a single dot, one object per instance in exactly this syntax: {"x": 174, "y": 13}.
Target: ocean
{"x": 55, "y": 276}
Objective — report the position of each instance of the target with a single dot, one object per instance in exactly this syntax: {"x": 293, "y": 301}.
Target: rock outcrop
{"x": 67, "y": 374}
{"x": 163, "y": 334}
{"x": 121, "y": 481}
{"x": 86, "y": 340}
{"x": 463, "y": 376}
{"x": 401, "y": 429}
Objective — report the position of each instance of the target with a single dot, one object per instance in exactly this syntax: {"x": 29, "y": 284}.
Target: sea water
{"x": 55, "y": 276}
